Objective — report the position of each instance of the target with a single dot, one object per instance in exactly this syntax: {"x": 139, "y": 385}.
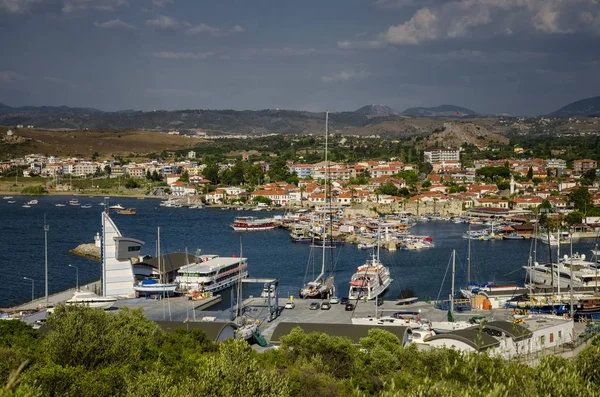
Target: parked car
{"x": 345, "y": 300}
{"x": 325, "y": 306}
{"x": 334, "y": 300}
{"x": 349, "y": 307}
{"x": 290, "y": 305}
{"x": 379, "y": 302}
{"x": 315, "y": 306}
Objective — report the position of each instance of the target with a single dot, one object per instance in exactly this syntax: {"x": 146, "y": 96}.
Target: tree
{"x": 503, "y": 185}
{"x": 574, "y": 217}
{"x": 185, "y": 177}
{"x": 211, "y": 172}
{"x": 530, "y": 173}
{"x": 262, "y": 199}
{"x": 589, "y": 177}
{"x": 156, "y": 177}
{"x": 426, "y": 184}
{"x": 148, "y": 175}
{"x": 131, "y": 184}
{"x": 279, "y": 171}
{"x": 581, "y": 198}
{"x": 387, "y": 188}
{"x": 493, "y": 173}
{"x": 107, "y": 169}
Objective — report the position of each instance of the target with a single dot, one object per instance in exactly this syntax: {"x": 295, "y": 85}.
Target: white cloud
{"x": 480, "y": 18}
{"x": 70, "y": 6}
{"x": 204, "y": 28}
{"x": 422, "y": 26}
{"x": 237, "y": 29}
{"x": 116, "y": 24}
{"x": 285, "y": 51}
{"x": 183, "y": 55}
{"x": 346, "y": 75}
{"x": 164, "y": 22}
{"x": 9, "y": 77}
{"x": 362, "y": 44}
{"x": 17, "y": 6}
{"x": 161, "y": 3}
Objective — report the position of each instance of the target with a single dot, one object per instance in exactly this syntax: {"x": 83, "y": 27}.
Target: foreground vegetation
{"x": 86, "y": 352}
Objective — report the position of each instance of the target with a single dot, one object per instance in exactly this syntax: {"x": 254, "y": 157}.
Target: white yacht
{"x": 584, "y": 273}
{"x": 370, "y": 280}
{"x": 213, "y": 274}
{"x": 90, "y": 299}
{"x": 116, "y": 207}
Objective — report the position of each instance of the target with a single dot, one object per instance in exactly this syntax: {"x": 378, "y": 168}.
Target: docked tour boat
{"x": 251, "y": 223}
{"x": 370, "y": 279}
{"x": 212, "y": 274}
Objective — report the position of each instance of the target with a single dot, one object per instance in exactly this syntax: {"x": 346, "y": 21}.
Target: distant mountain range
{"x": 439, "y": 111}
{"x": 376, "y": 110}
{"x": 368, "y": 120}
{"x": 589, "y": 107}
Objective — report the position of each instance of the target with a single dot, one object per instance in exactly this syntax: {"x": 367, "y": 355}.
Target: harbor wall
{"x": 450, "y": 207}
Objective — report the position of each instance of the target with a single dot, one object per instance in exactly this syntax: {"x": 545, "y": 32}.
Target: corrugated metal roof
{"x": 350, "y": 331}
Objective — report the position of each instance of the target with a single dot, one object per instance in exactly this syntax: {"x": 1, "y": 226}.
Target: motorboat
{"x": 365, "y": 246}
{"x": 116, "y": 207}
{"x": 60, "y": 205}
{"x": 26, "y": 206}
{"x": 268, "y": 291}
{"x": 370, "y": 280}
{"x": 7, "y": 197}
{"x": 86, "y": 206}
{"x": 74, "y": 202}
{"x": 32, "y": 202}
{"x": 90, "y": 299}
{"x": 128, "y": 211}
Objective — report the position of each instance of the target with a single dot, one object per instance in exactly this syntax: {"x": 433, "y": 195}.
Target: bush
{"x": 34, "y": 190}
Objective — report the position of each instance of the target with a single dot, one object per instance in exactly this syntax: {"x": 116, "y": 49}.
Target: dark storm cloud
{"x": 497, "y": 56}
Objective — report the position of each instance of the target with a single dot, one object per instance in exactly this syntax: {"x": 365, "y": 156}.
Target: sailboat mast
{"x": 469, "y": 256}
{"x": 453, "y": 272}
{"x": 596, "y": 267}
{"x": 160, "y": 276}
{"x": 558, "y": 261}
{"x": 571, "y": 278}
{"x": 325, "y": 193}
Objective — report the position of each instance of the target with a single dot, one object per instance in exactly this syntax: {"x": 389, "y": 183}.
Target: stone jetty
{"x": 88, "y": 250}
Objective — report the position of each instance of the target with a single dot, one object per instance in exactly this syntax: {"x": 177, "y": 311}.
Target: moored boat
{"x": 251, "y": 223}
{"x": 211, "y": 274}
{"x": 128, "y": 211}
{"x": 370, "y": 280}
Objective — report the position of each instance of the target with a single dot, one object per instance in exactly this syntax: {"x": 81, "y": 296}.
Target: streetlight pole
{"x": 76, "y": 276}
{"x": 46, "y": 228}
{"x": 32, "y": 287}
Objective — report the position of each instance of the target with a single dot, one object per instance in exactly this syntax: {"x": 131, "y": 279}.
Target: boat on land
{"x": 153, "y": 286}
{"x": 370, "y": 279}
{"x": 90, "y": 299}
{"x": 251, "y": 224}
{"x": 127, "y": 211}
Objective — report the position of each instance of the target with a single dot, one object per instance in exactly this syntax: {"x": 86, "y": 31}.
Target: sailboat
{"x": 152, "y": 285}
{"x": 497, "y": 294}
{"x": 441, "y": 327}
{"x": 321, "y": 287}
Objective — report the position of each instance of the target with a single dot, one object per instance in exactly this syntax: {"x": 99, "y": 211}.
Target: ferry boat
{"x": 251, "y": 223}
{"x": 369, "y": 280}
{"x": 212, "y": 274}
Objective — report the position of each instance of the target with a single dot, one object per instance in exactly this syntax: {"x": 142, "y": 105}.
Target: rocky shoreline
{"x": 87, "y": 250}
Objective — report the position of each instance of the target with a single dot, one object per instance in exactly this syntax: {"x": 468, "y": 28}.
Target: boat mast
{"x": 325, "y": 196}
{"x": 596, "y": 267}
{"x": 550, "y": 253}
{"x": 469, "y": 256}
{"x": 453, "y": 271}
{"x": 558, "y": 261}
{"x": 158, "y": 254}
{"x": 571, "y": 275}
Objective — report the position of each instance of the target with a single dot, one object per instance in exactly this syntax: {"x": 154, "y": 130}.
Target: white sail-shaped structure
{"x": 117, "y": 252}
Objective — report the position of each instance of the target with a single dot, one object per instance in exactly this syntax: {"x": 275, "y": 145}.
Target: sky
{"x": 520, "y": 57}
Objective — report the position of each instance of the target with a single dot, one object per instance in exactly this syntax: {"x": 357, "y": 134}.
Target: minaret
{"x": 512, "y": 184}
